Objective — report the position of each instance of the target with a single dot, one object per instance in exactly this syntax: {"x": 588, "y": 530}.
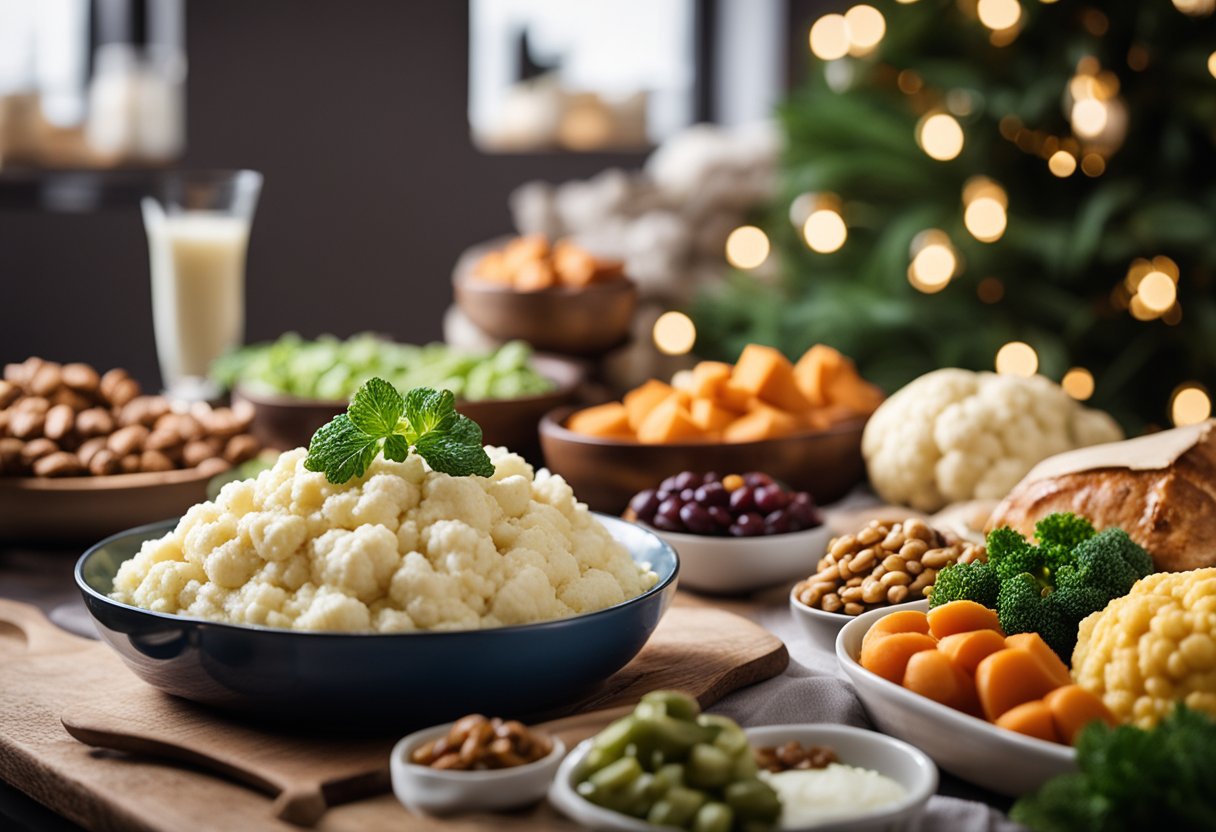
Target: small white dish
{"x": 822, "y": 627}
{"x": 426, "y": 790}
{"x": 726, "y": 565}
{"x": 975, "y": 750}
{"x": 854, "y": 746}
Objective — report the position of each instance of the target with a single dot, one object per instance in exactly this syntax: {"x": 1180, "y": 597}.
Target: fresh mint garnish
{"x": 380, "y": 420}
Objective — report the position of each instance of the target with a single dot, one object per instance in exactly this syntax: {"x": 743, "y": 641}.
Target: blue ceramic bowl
{"x": 404, "y": 680}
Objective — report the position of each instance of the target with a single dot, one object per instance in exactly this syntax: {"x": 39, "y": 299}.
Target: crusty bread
{"x": 1160, "y": 488}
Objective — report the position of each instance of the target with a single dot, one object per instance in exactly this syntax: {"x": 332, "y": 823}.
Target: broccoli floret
{"x": 1063, "y": 529}
{"x": 1011, "y": 554}
{"x": 1077, "y": 599}
{"x": 1110, "y": 561}
{"x": 1023, "y": 606}
{"x": 975, "y": 581}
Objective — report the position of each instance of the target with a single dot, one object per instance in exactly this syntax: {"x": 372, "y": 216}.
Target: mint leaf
{"x": 456, "y": 450}
{"x": 396, "y": 448}
{"x": 376, "y": 408}
{"x": 341, "y": 450}
{"x": 429, "y": 410}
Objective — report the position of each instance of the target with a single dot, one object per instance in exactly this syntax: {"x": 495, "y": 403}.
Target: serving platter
{"x": 52, "y": 678}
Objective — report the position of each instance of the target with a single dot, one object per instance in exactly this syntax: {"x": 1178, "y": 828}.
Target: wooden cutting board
{"x": 157, "y": 758}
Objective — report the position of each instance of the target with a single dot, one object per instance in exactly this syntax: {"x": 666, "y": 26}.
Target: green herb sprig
{"x": 380, "y": 420}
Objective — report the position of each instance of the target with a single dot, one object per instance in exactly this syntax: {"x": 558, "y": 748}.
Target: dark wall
{"x": 356, "y": 114}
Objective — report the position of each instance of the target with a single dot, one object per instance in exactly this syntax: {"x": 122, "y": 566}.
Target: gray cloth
{"x": 813, "y": 689}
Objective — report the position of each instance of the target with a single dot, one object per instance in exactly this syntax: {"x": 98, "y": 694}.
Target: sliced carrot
{"x": 1034, "y": 644}
{"x": 962, "y": 617}
{"x": 931, "y": 673}
{"x": 1073, "y": 707}
{"x": 1010, "y": 677}
{"x": 888, "y": 657}
{"x": 967, "y": 650}
{"x": 1032, "y": 719}
{"x": 904, "y": 621}
{"x": 641, "y": 400}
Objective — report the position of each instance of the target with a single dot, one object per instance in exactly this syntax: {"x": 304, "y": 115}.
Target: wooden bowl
{"x": 589, "y": 321}
{"x": 283, "y": 422}
{"x": 89, "y": 508}
{"x": 606, "y": 473}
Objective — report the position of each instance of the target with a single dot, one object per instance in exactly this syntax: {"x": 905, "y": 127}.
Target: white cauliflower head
{"x": 954, "y": 435}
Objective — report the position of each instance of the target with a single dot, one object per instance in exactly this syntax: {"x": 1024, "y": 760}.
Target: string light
{"x": 1157, "y": 291}
{"x": 940, "y": 136}
{"x": 1017, "y": 358}
{"x": 1212, "y": 64}
{"x": 1088, "y": 118}
{"x": 1078, "y": 383}
{"x": 934, "y": 261}
{"x": 674, "y": 333}
{"x": 984, "y": 209}
{"x": 1190, "y": 405}
{"x": 830, "y": 37}
{"x": 747, "y": 247}
{"x": 1153, "y": 288}
{"x": 1195, "y": 8}
{"x": 1062, "y": 164}
{"x": 999, "y": 15}
{"x": 866, "y": 28}
{"x": 825, "y": 231}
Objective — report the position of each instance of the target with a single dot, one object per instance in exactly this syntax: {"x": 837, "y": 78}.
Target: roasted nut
{"x": 897, "y": 594}
{"x": 854, "y": 608}
{"x": 26, "y": 424}
{"x": 11, "y": 461}
{"x": 128, "y": 440}
{"x": 477, "y": 743}
{"x": 211, "y": 467}
{"x": 69, "y": 397}
{"x": 81, "y": 377}
{"x": 89, "y": 448}
{"x": 831, "y": 602}
{"x": 862, "y": 561}
{"x": 9, "y": 393}
{"x": 937, "y": 558}
{"x": 60, "y": 420}
{"x": 195, "y": 452}
{"x": 123, "y": 392}
{"x": 15, "y": 374}
{"x": 110, "y": 380}
{"x": 871, "y": 534}
{"x": 46, "y": 379}
{"x": 154, "y": 461}
{"x": 36, "y": 449}
{"x": 104, "y": 463}
{"x": 241, "y": 448}
{"x": 58, "y": 464}
{"x": 96, "y": 421}
{"x": 129, "y": 464}
{"x": 163, "y": 440}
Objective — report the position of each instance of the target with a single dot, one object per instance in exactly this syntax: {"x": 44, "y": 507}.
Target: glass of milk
{"x": 198, "y": 231}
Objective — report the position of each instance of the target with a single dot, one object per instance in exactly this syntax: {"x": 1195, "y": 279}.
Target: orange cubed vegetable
{"x": 1033, "y": 643}
{"x": 1010, "y": 677}
{"x": 733, "y": 397}
{"x": 641, "y": 400}
{"x": 814, "y": 373}
{"x": 1073, "y": 707}
{"x": 609, "y": 420}
{"x": 962, "y": 617}
{"x": 888, "y": 657}
{"x": 931, "y": 674}
{"x": 668, "y": 422}
{"x": 708, "y": 377}
{"x": 767, "y": 374}
{"x": 822, "y": 418}
{"x": 763, "y": 422}
{"x": 535, "y": 275}
{"x": 849, "y": 390}
{"x": 574, "y": 266}
{"x": 710, "y": 416}
{"x": 1032, "y": 719}
{"x": 967, "y": 650}
{"x": 903, "y": 621}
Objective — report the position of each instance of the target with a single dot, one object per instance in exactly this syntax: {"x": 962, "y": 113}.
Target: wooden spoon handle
{"x": 38, "y": 632}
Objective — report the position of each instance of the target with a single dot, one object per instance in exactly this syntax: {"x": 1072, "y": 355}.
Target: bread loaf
{"x": 1160, "y": 488}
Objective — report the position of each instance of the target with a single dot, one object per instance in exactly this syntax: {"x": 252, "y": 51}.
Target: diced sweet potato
{"x": 609, "y": 420}
{"x": 769, "y": 375}
{"x": 763, "y": 422}
{"x": 967, "y": 650}
{"x": 822, "y": 418}
{"x": 931, "y": 673}
{"x": 641, "y": 400}
{"x": 1010, "y": 677}
{"x": 1033, "y": 643}
{"x": 814, "y": 372}
{"x": 850, "y": 391}
{"x": 733, "y": 397}
{"x": 962, "y": 617}
{"x": 1032, "y": 719}
{"x": 535, "y": 275}
{"x": 888, "y": 657}
{"x": 668, "y": 422}
{"x": 1073, "y": 707}
{"x": 710, "y": 416}
{"x": 902, "y": 621}
{"x": 708, "y": 377}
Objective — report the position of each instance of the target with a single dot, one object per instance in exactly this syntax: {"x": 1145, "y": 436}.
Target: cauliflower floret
{"x": 359, "y": 563}
{"x": 954, "y": 435}
{"x": 336, "y": 612}
{"x": 1153, "y": 647}
{"x": 275, "y": 536}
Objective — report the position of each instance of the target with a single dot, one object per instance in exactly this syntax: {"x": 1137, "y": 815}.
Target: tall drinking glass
{"x": 198, "y": 232}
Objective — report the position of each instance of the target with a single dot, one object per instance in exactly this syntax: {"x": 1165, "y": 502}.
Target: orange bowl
{"x": 606, "y": 473}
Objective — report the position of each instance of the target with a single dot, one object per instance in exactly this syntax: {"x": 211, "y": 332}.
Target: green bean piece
{"x": 597, "y": 758}
{"x": 638, "y": 796}
{"x": 671, "y": 774}
{"x": 745, "y": 765}
{"x": 713, "y": 817}
{"x": 676, "y": 704}
{"x": 709, "y": 767}
{"x": 616, "y": 737}
{"x": 680, "y": 806}
{"x": 675, "y": 736}
{"x": 754, "y": 800}
{"x": 617, "y": 775}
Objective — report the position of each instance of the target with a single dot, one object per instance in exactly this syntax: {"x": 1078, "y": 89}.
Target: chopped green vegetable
{"x": 380, "y": 420}
{"x": 1132, "y": 779}
{"x": 976, "y": 581}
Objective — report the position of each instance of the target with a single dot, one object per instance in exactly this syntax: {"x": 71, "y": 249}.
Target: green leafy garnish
{"x": 379, "y": 420}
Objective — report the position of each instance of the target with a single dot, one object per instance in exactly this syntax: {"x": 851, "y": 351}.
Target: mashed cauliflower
{"x": 399, "y": 549}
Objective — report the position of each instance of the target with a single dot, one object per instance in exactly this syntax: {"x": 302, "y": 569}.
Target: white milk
{"x": 198, "y": 292}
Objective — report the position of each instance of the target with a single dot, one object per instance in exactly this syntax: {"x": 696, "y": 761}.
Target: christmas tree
{"x": 1014, "y": 183}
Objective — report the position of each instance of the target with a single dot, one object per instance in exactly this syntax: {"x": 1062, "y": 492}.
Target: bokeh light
{"x": 747, "y": 247}
{"x": 866, "y": 28}
{"x": 1195, "y": 8}
{"x": 674, "y": 333}
{"x": 1190, "y": 405}
{"x": 940, "y": 136}
{"x": 1212, "y": 64}
{"x": 985, "y": 219}
{"x": 1157, "y": 291}
{"x": 825, "y": 231}
{"x": 934, "y": 261}
{"x": 1078, "y": 383}
{"x": 1017, "y": 358}
{"x": 830, "y": 37}
{"x": 1062, "y": 163}
{"x": 999, "y": 14}
{"x": 1089, "y": 118}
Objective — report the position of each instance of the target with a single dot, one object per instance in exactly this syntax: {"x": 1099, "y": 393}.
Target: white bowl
{"x": 433, "y": 791}
{"x": 972, "y": 748}
{"x": 823, "y": 627}
{"x": 726, "y": 565}
{"x": 854, "y": 746}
